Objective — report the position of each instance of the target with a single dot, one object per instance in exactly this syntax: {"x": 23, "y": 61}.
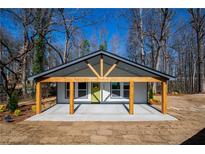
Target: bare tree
{"x": 103, "y": 37}
{"x": 72, "y": 21}
{"x": 198, "y": 24}
{"x": 158, "y": 31}
{"x": 10, "y": 62}
{"x": 68, "y": 28}
{"x": 133, "y": 43}
{"x": 137, "y": 13}
{"x": 115, "y": 43}
{"x": 23, "y": 18}
{"x": 94, "y": 41}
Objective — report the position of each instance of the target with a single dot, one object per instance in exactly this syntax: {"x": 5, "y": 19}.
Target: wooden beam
{"x": 93, "y": 69}
{"x": 101, "y": 66}
{"x": 101, "y": 79}
{"x": 131, "y": 96}
{"x": 110, "y": 69}
{"x": 164, "y": 97}
{"x": 71, "y": 97}
{"x": 38, "y": 97}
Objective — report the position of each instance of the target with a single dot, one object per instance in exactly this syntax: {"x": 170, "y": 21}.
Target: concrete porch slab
{"x": 101, "y": 112}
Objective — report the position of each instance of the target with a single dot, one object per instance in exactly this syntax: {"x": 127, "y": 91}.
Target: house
{"x": 101, "y": 77}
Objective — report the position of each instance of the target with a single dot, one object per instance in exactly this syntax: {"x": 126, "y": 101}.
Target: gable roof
{"x": 105, "y": 53}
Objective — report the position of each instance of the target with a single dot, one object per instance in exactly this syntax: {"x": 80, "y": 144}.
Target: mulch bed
{"x": 26, "y": 111}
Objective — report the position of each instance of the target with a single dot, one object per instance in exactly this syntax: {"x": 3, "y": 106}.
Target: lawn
{"x": 189, "y": 129}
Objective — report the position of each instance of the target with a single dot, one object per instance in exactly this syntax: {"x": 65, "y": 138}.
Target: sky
{"x": 110, "y": 22}
{"x": 114, "y": 25}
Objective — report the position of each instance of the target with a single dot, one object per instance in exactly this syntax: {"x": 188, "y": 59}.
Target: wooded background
{"x": 157, "y": 38}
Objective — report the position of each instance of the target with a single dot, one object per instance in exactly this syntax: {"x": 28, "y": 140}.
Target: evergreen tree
{"x": 38, "y": 55}
{"x": 85, "y": 47}
{"x": 42, "y": 21}
{"x": 103, "y": 46}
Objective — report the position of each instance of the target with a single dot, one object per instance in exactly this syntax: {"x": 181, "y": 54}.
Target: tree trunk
{"x": 24, "y": 68}
{"x": 156, "y": 67}
{"x": 201, "y": 87}
{"x": 141, "y": 38}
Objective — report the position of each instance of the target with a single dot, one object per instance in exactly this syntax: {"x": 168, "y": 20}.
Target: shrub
{"x": 153, "y": 101}
{"x": 33, "y": 108}
{"x": 2, "y": 108}
{"x": 176, "y": 93}
{"x": 13, "y": 102}
{"x": 151, "y": 94}
{"x": 43, "y": 106}
{"x": 17, "y": 112}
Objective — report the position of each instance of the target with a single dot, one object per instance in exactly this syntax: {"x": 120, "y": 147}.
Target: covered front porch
{"x": 130, "y": 80}
{"x": 102, "y": 112}
{"x": 103, "y": 67}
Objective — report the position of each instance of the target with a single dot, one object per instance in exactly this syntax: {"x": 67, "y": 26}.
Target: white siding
{"x": 140, "y": 93}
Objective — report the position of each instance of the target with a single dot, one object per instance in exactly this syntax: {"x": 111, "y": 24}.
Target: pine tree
{"x": 103, "y": 46}
{"x": 38, "y": 55}
{"x": 41, "y": 26}
{"x": 85, "y": 47}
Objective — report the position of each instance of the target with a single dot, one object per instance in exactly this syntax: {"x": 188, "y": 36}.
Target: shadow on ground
{"x": 197, "y": 139}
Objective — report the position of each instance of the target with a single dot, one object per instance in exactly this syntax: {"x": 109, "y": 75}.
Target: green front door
{"x": 95, "y": 92}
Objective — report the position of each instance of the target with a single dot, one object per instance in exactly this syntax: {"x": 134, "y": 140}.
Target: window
{"x": 67, "y": 90}
{"x": 126, "y": 88}
{"x": 82, "y": 89}
{"x": 115, "y": 89}
{"x": 120, "y": 91}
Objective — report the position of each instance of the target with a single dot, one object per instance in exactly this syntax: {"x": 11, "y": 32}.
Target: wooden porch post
{"x": 131, "y": 103}
{"x": 38, "y": 97}
{"x": 71, "y": 97}
{"x": 164, "y": 97}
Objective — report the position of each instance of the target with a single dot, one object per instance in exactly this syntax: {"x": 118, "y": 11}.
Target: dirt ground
{"x": 189, "y": 129}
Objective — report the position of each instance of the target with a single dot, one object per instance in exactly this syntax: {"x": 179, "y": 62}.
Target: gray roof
{"x": 124, "y": 64}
